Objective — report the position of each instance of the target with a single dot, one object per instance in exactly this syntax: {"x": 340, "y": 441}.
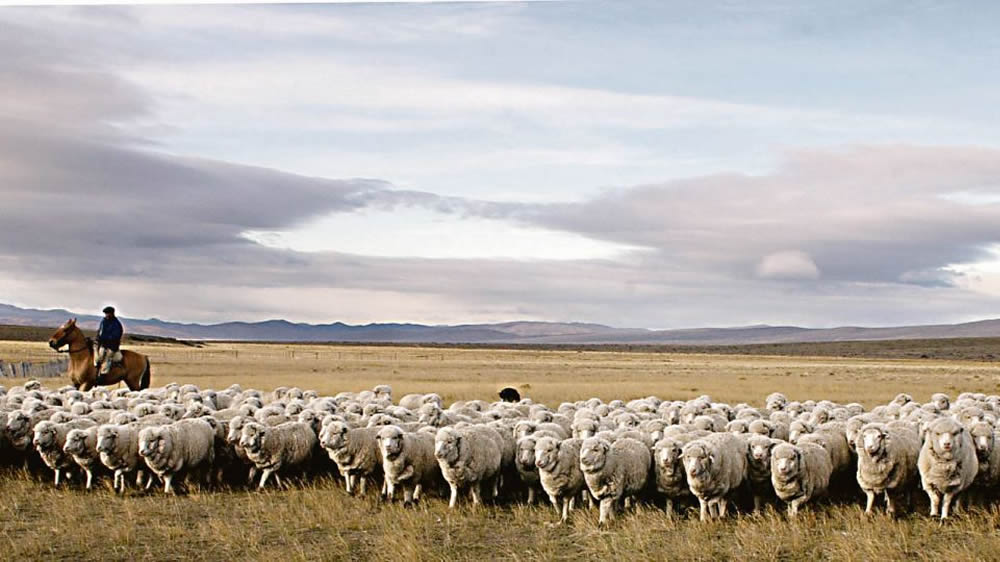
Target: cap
{"x": 108, "y": 309}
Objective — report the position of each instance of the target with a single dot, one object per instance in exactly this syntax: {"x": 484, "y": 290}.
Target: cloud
{"x": 94, "y": 205}
{"x": 789, "y": 264}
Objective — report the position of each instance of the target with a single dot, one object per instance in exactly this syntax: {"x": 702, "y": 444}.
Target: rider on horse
{"x": 109, "y": 339}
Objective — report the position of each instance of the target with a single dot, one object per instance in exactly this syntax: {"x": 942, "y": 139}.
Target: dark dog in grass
{"x": 510, "y": 395}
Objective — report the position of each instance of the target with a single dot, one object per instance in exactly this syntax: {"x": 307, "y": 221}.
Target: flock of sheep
{"x": 588, "y": 451}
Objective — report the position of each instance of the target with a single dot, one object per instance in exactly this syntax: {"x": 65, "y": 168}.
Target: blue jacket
{"x": 110, "y": 333}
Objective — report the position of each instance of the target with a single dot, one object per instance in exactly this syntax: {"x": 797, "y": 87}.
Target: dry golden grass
{"x": 319, "y": 521}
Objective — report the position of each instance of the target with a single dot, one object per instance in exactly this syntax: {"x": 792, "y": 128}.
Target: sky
{"x": 657, "y": 164}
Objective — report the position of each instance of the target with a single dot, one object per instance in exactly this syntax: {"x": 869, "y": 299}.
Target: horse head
{"x": 64, "y": 335}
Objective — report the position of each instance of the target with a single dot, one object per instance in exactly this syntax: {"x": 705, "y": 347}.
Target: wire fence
{"x": 27, "y": 369}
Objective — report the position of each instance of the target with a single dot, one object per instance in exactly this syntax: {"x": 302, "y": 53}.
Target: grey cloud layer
{"x": 85, "y": 197}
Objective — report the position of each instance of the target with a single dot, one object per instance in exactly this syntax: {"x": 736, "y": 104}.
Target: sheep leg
{"x": 477, "y": 494}
{"x": 567, "y": 504}
{"x": 417, "y": 490}
{"x": 572, "y": 503}
{"x": 607, "y": 510}
{"x": 758, "y": 503}
{"x": 168, "y": 484}
{"x": 890, "y": 506}
{"x": 350, "y": 482}
{"x": 90, "y": 478}
{"x": 264, "y": 475}
{"x": 721, "y": 506}
{"x": 114, "y": 480}
{"x": 946, "y": 504}
{"x": 669, "y": 508}
{"x": 793, "y": 507}
{"x": 531, "y": 495}
{"x": 283, "y": 484}
{"x": 364, "y": 483}
{"x": 870, "y": 501}
{"x": 58, "y": 473}
{"x": 407, "y": 495}
{"x": 453, "y": 500}
{"x": 704, "y": 509}
{"x": 935, "y": 500}
{"x": 390, "y": 491}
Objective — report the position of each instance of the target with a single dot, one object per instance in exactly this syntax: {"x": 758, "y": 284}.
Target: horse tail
{"x": 144, "y": 379}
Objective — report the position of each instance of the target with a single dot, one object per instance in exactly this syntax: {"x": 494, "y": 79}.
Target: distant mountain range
{"x": 507, "y": 332}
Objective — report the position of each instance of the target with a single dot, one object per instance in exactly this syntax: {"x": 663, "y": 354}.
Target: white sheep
{"x": 887, "y": 462}
{"x": 469, "y": 457}
{"x": 49, "y": 440}
{"x": 615, "y": 471}
{"x": 800, "y": 473}
{"x": 355, "y": 451}
{"x": 715, "y": 466}
{"x": 668, "y": 468}
{"x": 408, "y": 462}
{"x": 759, "y": 468}
{"x": 81, "y": 445}
{"x": 988, "y": 454}
{"x": 947, "y": 463}
{"x": 118, "y": 447}
{"x": 558, "y": 464}
{"x": 178, "y": 449}
{"x": 524, "y": 461}
{"x": 272, "y": 449}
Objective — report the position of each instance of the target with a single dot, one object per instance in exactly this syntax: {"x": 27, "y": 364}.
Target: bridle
{"x": 71, "y": 350}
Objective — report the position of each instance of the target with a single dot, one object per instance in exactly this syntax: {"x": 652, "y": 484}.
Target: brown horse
{"x": 134, "y": 370}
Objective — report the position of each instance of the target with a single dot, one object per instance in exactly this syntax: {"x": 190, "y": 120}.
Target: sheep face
{"x": 45, "y": 436}
{"x": 526, "y": 453}
{"x": 585, "y": 428}
{"x": 390, "y": 441}
{"x": 154, "y": 444}
{"x": 737, "y": 427}
{"x": 383, "y": 392}
{"x": 18, "y": 424}
{"x": 542, "y": 416}
{"x": 759, "y": 453}
{"x": 236, "y": 429}
{"x": 594, "y": 454}
{"x": 786, "y": 460}
{"x": 698, "y": 459}
{"x": 107, "y": 438}
{"x": 252, "y": 437}
{"x": 873, "y": 439}
{"x": 797, "y": 429}
{"x": 776, "y": 401}
{"x": 941, "y": 401}
{"x": 983, "y": 437}
{"x": 76, "y": 442}
{"x": 546, "y": 453}
{"x": 943, "y": 435}
{"x": 447, "y": 446}
{"x": 334, "y": 436}
{"x": 524, "y": 429}
{"x": 668, "y": 456}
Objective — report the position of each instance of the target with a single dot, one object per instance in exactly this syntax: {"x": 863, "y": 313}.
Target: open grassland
{"x": 318, "y": 520}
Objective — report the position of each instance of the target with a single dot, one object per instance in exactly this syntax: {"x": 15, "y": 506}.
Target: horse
{"x": 134, "y": 369}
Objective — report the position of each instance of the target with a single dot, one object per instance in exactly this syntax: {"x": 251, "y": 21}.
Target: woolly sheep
{"x": 715, "y": 466}
{"x": 988, "y": 454}
{"x": 355, "y": 451}
{"x": 668, "y": 468}
{"x": 81, "y": 446}
{"x": 524, "y": 461}
{"x": 799, "y": 473}
{"x": 50, "y": 438}
{"x": 407, "y": 461}
{"x": 118, "y": 448}
{"x": 887, "y": 462}
{"x": 759, "y": 449}
{"x": 947, "y": 463}
{"x": 614, "y": 471}
{"x": 469, "y": 457}
{"x": 178, "y": 449}
{"x": 272, "y": 449}
{"x": 558, "y": 464}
